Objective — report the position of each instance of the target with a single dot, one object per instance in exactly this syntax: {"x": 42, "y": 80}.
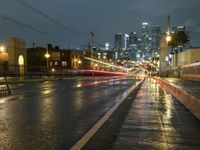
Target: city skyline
{"x": 68, "y": 24}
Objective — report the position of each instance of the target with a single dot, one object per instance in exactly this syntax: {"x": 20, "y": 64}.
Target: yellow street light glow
{"x": 168, "y": 38}
{"x": 47, "y": 55}
{"x": 79, "y": 62}
{"x": 96, "y": 65}
{"x": 2, "y": 49}
{"x": 79, "y": 85}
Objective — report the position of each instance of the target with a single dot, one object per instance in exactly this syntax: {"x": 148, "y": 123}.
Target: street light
{"x": 79, "y": 62}
{"x": 2, "y": 49}
{"x": 4, "y": 59}
{"x": 47, "y": 55}
{"x": 168, "y": 38}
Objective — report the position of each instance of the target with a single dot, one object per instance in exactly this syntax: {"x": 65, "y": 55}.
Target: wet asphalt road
{"x": 55, "y": 114}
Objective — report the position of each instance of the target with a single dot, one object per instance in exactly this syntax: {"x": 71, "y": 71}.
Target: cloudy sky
{"x": 68, "y": 22}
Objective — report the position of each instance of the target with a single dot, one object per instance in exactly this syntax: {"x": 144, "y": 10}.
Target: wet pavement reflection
{"x": 158, "y": 121}
{"x": 55, "y": 114}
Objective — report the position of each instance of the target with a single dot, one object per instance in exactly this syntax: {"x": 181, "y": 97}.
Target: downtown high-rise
{"x": 118, "y": 46}
{"x": 156, "y": 37}
{"x": 118, "y": 41}
{"x": 145, "y": 41}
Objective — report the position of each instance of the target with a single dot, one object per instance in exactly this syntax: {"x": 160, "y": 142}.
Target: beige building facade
{"x": 17, "y": 56}
{"x": 189, "y": 56}
{"x": 163, "y": 56}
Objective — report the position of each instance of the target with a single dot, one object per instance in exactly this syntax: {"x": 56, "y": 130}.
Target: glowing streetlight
{"x": 168, "y": 38}
{"x": 53, "y": 70}
{"x": 2, "y": 49}
{"x": 79, "y": 62}
{"x": 3, "y": 54}
{"x": 4, "y": 58}
{"x": 47, "y": 55}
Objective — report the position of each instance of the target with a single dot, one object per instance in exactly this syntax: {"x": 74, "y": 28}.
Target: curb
{"x": 18, "y": 81}
{"x": 190, "y": 102}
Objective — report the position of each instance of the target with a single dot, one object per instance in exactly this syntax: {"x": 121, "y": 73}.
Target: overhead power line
{"x": 22, "y": 2}
{"x": 27, "y": 26}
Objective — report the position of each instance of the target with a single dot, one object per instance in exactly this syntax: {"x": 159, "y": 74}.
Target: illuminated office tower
{"x": 156, "y": 37}
{"x": 118, "y": 41}
{"x": 118, "y": 46}
{"x": 146, "y": 41}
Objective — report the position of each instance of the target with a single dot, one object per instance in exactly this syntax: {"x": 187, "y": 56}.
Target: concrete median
{"x": 190, "y": 102}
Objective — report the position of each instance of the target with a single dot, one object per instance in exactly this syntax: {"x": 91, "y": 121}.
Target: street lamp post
{"x": 79, "y": 64}
{"x": 47, "y": 55}
{"x": 4, "y": 59}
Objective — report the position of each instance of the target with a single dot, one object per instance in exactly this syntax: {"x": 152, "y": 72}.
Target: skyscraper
{"x": 133, "y": 45}
{"x": 133, "y": 38}
{"x": 126, "y": 41}
{"x": 118, "y": 41}
{"x": 145, "y": 43}
{"x": 156, "y": 37}
{"x": 118, "y": 46}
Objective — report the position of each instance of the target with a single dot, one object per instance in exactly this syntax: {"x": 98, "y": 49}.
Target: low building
{"x": 36, "y": 60}
{"x": 58, "y": 59}
{"x": 76, "y": 60}
{"x": 189, "y": 56}
{"x": 105, "y": 55}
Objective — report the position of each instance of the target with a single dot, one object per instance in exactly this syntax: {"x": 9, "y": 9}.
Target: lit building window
{"x": 51, "y": 63}
{"x": 21, "y": 60}
{"x": 56, "y": 63}
{"x": 64, "y": 63}
{"x": 104, "y": 57}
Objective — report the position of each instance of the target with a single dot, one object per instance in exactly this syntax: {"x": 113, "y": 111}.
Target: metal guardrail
{"x": 5, "y": 91}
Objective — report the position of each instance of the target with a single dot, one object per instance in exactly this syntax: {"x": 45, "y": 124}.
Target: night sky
{"x": 68, "y": 22}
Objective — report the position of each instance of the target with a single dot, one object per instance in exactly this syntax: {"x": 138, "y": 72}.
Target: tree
{"x": 173, "y": 44}
{"x": 180, "y": 39}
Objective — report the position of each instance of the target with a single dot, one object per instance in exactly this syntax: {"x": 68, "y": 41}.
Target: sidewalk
{"x": 158, "y": 121}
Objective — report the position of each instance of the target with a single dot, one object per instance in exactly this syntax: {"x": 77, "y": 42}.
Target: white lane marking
{"x": 79, "y": 144}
